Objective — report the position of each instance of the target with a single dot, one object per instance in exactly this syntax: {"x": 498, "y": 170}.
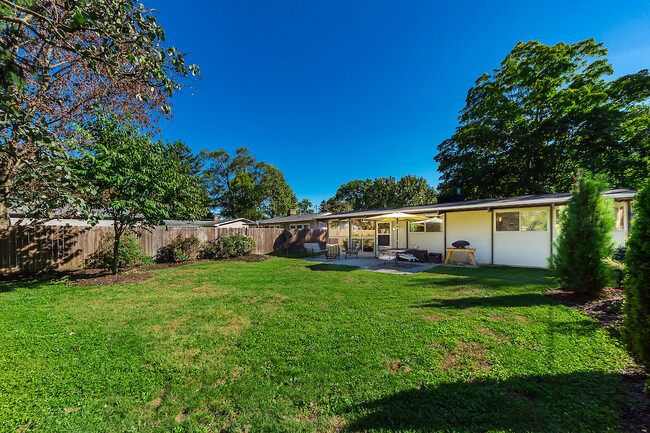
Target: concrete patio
{"x": 370, "y": 263}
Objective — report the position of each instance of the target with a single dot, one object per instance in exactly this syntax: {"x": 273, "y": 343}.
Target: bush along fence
{"x": 32, "y": 249}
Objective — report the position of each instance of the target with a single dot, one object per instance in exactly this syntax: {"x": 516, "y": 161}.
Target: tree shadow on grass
{"x": 580, "y": 401}
{"x": 501, "y": 301}
{"x": 331, "y": 267}
{"x": 487, "y": 277}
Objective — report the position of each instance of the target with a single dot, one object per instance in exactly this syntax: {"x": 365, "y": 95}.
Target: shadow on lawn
{"x": 332, "y": 267}
{"x": 505, "y": 301}
{"x": 491, "y": 277}
{"x": 580, "y": 401}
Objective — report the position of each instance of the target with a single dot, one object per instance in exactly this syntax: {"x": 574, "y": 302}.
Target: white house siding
{"x": 619, "y": 236}
{"x": 430, "y": 241}
{"x": 523, "y": 248}
{"x": 473, "y": 227}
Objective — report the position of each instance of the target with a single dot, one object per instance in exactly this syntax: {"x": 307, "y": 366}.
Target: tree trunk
{"x": 4, "y": 214}
{"x": 116, "y": 249}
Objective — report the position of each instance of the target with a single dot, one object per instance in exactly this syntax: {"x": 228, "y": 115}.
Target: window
{"x": 534, "y": 221}
{"x": 620, "y": 217}
{"x": 422, "y": 226}
{"x": 507, "y": 221}
{"x": 525, "y": 221}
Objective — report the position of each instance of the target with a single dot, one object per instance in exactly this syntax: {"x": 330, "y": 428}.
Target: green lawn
{"x": 288, "y": 345}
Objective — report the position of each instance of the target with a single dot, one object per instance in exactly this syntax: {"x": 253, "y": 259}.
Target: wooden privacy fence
{"x": 27, "y": 249}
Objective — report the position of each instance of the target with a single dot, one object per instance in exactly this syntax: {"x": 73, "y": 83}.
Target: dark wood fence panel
{"x": 26, "y": 249}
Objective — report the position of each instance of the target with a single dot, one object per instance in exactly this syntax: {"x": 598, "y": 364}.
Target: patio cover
{"x": 396, "y": 216}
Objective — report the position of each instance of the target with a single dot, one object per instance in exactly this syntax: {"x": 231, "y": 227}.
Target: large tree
{"x": 242, "y": 187}
{"x": 58, "y": 60}
{"x": 334, "y": 206}
{"x": 383, "y": 192}
{"x": 305, "y": 207}
{"x": 138, "y": 182}
{"x": 545, "y": 112}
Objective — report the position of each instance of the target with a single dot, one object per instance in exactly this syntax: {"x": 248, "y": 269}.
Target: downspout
{"x": 629, "y": 217}
{"x": 551, "y": 226}
{"x": 444, "y": 237}
{"x": 491, "y": 236}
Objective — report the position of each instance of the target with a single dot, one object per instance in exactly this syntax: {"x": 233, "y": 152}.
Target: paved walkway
{"x": 373, "y": 264}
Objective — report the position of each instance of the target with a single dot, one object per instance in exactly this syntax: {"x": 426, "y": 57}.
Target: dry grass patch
{"x": 236, "y": 326}
{"x": 249, "y": 301}
{"x": 236, "y": 372}
{"x": 395, "y": 366}
{"x": 490, "y": 333}
{"x": 435, "y": 317}
{"x": 466, "y": 356}
{"x": 521, "y": 319}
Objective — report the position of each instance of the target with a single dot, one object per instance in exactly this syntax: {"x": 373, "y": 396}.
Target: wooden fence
{"x": 26, "y": 249}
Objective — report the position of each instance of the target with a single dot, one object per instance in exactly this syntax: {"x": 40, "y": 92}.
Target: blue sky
{"x": 331, "y": 91}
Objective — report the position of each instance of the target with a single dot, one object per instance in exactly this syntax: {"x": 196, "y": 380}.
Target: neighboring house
{"x": 292, "y": 221}
{"x": 517, "y": 231}
{"x": 235, "y": 223}
{"x": 17, "y": 218}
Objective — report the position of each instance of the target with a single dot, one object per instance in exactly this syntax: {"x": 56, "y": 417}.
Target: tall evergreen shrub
{"x": 585, "y": 239}
{"x": 636, "y": 323}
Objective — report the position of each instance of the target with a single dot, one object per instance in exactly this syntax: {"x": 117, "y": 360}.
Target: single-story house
{"x": 18, "y": 218}
{"x": 516, "y": 231}
{"x": 234, "y": 223}
{"x": 293, "y": 221}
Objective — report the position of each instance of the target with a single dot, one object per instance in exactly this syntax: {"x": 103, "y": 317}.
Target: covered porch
{"x": 375, "y": 234}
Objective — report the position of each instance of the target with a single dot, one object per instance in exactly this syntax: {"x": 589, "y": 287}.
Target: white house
{"x": 517, "y": 231}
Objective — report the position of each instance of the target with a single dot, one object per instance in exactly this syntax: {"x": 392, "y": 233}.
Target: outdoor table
{"x": 471, "y": 253}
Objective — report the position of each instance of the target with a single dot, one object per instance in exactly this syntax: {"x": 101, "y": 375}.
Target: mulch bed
{"x": 103, "y": 277}
{"x": 607, "y": 310}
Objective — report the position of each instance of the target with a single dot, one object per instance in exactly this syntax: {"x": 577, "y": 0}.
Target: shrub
{"x": 129, "y": 254}
{"x": 236, "y": 245}
{"x": 211, "y": 250}
{"x": 585, "y": 239}
{"x": 180, "y": 249}
{"x": 636, "y": 323}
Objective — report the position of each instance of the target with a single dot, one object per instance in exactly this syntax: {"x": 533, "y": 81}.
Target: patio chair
{"x": 333, "y": 252}
{"x": 354, "y": 251}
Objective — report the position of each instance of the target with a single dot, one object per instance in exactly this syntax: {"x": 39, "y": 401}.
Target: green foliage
{"x": 236, "y": 245}
{"x": 129, "y": 254}
{"x": 211, "y": 250}
{"x": 636, "y": 323}
{"x": 334, "y": 206}
{"x": 228, "y": 246}
{"x": 57, "y": 60}
{"x": 585, "y": 239}
{"x": 180, "y": 249}
{"x": 544, "y": 113}
{"x": 139, "y": 182}
{"x": 383, "y": 192}
{"x": 242, "y": 187}
{"x": 305, "y": 207}
{"x": 277, "y": 195}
